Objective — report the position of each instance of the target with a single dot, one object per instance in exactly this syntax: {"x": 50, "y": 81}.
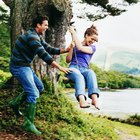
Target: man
{"x": 27, "y": 46}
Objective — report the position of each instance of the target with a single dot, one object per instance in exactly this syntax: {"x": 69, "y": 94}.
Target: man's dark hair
{"x": 38, "y": 20}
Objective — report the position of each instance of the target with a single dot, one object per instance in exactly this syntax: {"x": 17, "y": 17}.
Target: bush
{"x": 4, "y": 76}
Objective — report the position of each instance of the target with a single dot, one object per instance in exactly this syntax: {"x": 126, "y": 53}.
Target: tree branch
{"x": 8, "y": 3}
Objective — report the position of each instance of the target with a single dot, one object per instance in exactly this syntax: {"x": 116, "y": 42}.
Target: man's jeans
{"x": 31, "y": 84}
{"x": 83, "y": 77}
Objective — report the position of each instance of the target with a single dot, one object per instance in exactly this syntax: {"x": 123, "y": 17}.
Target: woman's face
{"x": 90, "y": 39}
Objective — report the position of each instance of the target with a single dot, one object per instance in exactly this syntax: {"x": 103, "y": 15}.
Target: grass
{"x": 58, "y": 119}
{"x": 65, "y": 122}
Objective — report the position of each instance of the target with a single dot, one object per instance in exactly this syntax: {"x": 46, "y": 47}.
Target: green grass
{"x": 59, "y": 119}
{"x": 63, "y": 121}
{"x": 4, "y": 76}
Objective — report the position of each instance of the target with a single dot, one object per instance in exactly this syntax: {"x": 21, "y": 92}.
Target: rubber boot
{"x": 15, "y": 103}
{"x": 28, "y": 124}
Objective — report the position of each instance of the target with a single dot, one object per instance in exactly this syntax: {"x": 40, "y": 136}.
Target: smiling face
{"x": 41, "y": 28}
{"x": 90, "y": 39}
{"x": 90, "y": 36}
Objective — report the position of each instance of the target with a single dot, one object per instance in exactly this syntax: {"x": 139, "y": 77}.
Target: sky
{"x": 118, "y": 31}
{"x": 123, "y": 30}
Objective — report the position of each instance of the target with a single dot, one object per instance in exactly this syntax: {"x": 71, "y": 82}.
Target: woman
{"x": 79, "y": 58}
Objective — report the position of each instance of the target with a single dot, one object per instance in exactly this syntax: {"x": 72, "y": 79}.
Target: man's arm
{"x": 55, "y": 51}
{"x": 38, "y": 49}
{"x": 65, "y": 50}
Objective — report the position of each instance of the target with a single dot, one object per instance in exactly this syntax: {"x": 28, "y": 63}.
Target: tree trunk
{"x": 59, "y": 13}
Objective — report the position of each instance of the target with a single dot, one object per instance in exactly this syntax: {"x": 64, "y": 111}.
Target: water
{"x": 119, "y": 104}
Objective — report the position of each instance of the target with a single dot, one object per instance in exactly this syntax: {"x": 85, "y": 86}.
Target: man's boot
{"x": 15, "y": 103}
{"x": 28, "y": 124}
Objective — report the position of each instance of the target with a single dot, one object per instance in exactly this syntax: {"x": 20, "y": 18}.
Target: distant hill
{"x": 120, "y": 59}
{"x": 125, "y": 69}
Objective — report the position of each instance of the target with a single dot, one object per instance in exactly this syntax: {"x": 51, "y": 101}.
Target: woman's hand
{"x": 71, "y": 29}
{"x": 71, "y": 46}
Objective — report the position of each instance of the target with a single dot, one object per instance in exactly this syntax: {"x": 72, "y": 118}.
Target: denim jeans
{"x": 31, "y": 84}
{"x": 83, "y": 77}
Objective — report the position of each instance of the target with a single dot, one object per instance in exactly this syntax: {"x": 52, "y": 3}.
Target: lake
{"x": 118, "y": 104}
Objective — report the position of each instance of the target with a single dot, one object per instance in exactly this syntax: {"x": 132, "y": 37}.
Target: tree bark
{"x": 59, "y": 13}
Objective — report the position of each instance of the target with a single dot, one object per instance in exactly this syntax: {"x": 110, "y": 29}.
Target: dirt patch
{"x": 18, "y": 136}
{"x": 125, "y": 136}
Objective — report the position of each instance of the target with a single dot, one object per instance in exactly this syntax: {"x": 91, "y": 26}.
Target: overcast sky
{"x": 123, "y": 30}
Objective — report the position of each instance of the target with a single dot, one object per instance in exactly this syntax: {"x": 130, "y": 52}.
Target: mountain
{"x": 118, "y": 58}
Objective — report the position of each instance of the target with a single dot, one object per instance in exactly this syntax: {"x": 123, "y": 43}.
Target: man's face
{"x": 42, "y": 27}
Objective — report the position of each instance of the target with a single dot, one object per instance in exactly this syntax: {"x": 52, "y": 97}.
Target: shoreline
{"x": 114, "y": 90}
{"x": 114, "y": 110}
{"x": 66, "y": 90}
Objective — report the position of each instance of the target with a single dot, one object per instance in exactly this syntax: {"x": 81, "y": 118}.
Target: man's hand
{"x": 65, "y": 70}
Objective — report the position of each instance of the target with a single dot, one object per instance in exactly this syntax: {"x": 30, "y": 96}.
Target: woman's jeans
{"x": 31, "y": 84}
{"x": 83, "y": 77}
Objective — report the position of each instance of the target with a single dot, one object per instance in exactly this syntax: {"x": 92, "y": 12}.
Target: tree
{"x": 59, "y": 14}
{"x": 4, "y": 40}
{"x": 104, "y": 8}
{"x": 4, "y": 17}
